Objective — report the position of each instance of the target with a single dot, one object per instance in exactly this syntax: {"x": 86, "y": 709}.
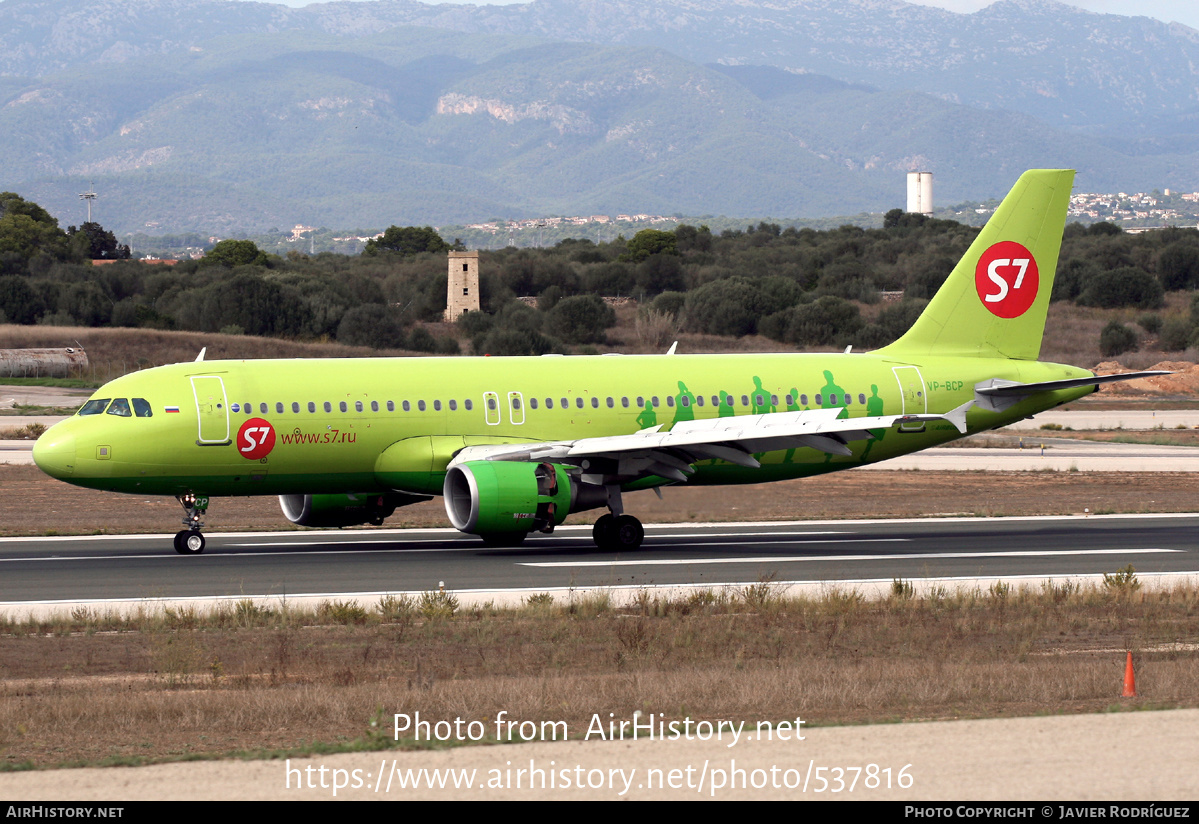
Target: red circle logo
{"x": 1007, "y": 279}
{"x": 255, "y": 439}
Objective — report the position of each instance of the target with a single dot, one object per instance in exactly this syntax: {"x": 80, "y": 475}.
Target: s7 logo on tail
{"x": 1007, "y": 279}
{"x": 255, "y": 439}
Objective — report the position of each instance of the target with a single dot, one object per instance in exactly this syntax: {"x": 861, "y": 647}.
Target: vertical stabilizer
{"x": 994, "y": 302}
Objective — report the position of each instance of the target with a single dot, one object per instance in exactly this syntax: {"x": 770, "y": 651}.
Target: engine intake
{"x": 505, "y": 497}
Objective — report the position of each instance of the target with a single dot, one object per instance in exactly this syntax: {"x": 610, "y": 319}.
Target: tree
{"x": 235, "y": 253}
{"x": 1126, "y": 286}
{"x": 97, "y": 243}
{"x": 650, "y": 242}
{"x": 407, "y": 240}
{"x": 580, "y": 319}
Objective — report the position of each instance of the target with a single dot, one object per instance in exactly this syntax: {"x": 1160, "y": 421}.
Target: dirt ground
{"x": 32, "y": 503}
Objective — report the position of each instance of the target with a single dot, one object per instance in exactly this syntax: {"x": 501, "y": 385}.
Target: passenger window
{"x": 594, "y": 402}
{"x": 685, "y": 401}
{"x": 295, "y": 407}
{"x": 624, "y": 401}
{"x": 95, "y": 407}
{"x": 819, "y": 400}
{"x": 654, "y": 400}
{"x": 436, "y": 406}
{"x": 491, "y": 404}
{"x": 565, "y": 405}
{"x": 391, "y": 406}
{"x": 670, "y": 400}
{"x": 579, "y": 403}
{"x": 833, "y": 398}
{"x": 803, "y": 399}
{"x": 533, "y": 403}
{"x": 374, "y": 406}
{"x": 328, "y": 406}
{"x": 141, "y": 408}
{"x": 515, "y": 403}
{"x": 453, "y": 405}
{"x": 699, "y": 400}
{"x": 468, "y": 404}
{"x": 848, "y": 399}
{"x": 788, "y": 399}
{"x": 278, "y": 407}
{"x": 342, "y": 407}
{"x": 420, "y": 405}
{"x": 549, "y": 403}
{"x": 120, "y": 407}
{"x": 611, "y": 403}
{"x": 311, "y": 406}
{"x": 640, "y": 401}
{"x": 716, "y": 400}
{"x": 407, "y": 406}
{"x": 774, "y": 400}
{"x": 357, "y": 406}
{"x": 262, "y": 407}
{"x": 862, "y": 398}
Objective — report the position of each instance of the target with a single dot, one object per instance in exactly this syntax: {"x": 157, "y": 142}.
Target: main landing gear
{"x": 190, "y": 541}
{"x": 615, "y": 530}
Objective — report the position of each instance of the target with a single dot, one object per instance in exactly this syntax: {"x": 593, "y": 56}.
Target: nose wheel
{"x": 190, "y": 541}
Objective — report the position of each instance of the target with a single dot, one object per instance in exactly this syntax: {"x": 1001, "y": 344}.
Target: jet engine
{"x": 350, "y": 509}
{"x": 514, "y": 497}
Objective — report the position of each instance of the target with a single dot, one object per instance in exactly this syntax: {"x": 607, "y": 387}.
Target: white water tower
{"x": 920, "y": 193}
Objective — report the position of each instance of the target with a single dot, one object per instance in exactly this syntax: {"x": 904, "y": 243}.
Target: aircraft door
{"x": 491, "y": 408}
{"x": 516, "y": 408}
{"x": 912, "y": 391}
{"x": 212, "y": 409}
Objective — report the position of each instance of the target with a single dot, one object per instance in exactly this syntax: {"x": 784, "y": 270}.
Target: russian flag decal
{"x": 172, "y": 409}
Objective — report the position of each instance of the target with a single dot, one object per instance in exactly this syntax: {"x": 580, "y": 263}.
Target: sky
{"x": 1180, "y": 11}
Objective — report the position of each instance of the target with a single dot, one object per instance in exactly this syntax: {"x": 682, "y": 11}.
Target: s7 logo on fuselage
{"x": 255, "y": 439}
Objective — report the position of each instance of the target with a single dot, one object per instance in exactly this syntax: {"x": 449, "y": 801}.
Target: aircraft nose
{"x": 54, "y": 453}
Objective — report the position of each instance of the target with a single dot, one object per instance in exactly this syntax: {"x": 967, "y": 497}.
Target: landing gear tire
{"x": 618, "y": 532}
{"x": 504, "y": 538}
{"x": 189, "y": 542}
{"x": 603, "y": 533}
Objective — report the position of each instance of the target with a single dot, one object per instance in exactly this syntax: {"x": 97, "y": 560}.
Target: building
{"x": 462, "y": 291}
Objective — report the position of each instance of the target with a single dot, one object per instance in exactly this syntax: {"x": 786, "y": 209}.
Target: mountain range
{"x": 222, "y": 116}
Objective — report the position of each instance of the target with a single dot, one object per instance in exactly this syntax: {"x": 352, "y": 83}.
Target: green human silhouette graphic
{"x": 874, "y": 408}
{"x": 647, "y": 417}
{"x": 831, "y": 397}
{"x": 684, "y": 405}
{"x": 760, "y": 398}
{"x": 792, "y": 406}
{"x": 726, "y": 405}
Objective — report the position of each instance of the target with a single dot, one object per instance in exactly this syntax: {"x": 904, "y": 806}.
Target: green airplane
{"x": 516, "y": 444}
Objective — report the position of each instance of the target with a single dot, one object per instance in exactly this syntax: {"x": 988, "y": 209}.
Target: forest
{"x": 799, "y": 287}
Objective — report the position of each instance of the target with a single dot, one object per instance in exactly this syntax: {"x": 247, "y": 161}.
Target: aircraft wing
{"x": 671, "y": 454}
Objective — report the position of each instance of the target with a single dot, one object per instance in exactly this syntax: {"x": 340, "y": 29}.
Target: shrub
{"x": 1116, "y": 339}
{"x": 581, "y": 319}
{"x": 1126, "y": 286}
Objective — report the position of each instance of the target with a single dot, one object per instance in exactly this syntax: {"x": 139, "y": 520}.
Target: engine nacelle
{"x": 506, "y": 497}
{"x": 343, "y": 510}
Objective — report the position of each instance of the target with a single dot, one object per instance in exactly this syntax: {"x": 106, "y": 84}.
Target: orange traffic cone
{"x": 1130, "y": 679}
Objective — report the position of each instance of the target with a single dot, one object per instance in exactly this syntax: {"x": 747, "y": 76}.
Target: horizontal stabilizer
{"x": 998, "y": 394}
{"x": 1007, "y": 388}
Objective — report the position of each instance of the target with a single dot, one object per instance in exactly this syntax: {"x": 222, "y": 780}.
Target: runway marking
{"x": 800, "y": 558}
{"x": 466, "y": 544}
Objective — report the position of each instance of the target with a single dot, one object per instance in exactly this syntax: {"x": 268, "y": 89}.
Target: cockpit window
{"x": 141, "y": 408}
{"x": 120, "y": 407}
{"x": 95, "y": 406}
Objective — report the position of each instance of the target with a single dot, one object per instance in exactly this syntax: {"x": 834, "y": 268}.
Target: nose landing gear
{"x": 190, "y": 541}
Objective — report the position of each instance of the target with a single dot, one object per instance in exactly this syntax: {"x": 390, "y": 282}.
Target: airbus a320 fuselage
{"x": 517, "y": 444}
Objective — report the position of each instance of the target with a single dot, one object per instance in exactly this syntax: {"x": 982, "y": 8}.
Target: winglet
{"x": 673, "y": 346}
{"x": 200, "y": 356}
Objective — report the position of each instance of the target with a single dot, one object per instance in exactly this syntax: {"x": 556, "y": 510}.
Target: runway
{"x": 298, "y": 565}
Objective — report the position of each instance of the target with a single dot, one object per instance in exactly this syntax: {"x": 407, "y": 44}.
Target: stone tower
{"x": 462, "y": 294}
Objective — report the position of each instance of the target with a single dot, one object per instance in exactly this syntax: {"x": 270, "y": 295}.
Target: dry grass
{"x": 165, "y": 686}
